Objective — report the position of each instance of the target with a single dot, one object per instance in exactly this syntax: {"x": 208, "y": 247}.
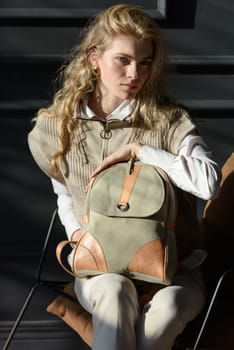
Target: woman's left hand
{"x": 124, "y": 153}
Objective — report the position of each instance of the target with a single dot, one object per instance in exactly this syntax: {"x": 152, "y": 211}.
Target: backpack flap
{"x": 143, "y": 199}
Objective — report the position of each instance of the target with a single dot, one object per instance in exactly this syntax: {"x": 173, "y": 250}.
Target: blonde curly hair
{"x": 78, "y": 77}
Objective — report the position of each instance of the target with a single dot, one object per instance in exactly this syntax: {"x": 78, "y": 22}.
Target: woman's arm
{"x": 66, "y": 211}
{"x": 192, "y": 170}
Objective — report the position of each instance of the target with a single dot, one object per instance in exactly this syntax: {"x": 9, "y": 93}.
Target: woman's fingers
{"x": 107, "y": 162}
{"x": 124, "y": 153}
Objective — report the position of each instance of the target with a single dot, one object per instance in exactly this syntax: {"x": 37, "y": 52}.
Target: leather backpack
{"x": 129, "y": 226}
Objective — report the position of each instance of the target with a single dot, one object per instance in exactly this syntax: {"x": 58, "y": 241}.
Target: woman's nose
{"x": 133, "y": 71}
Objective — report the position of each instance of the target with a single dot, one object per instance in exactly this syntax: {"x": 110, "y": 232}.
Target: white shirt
{"x": 192, "y": 170}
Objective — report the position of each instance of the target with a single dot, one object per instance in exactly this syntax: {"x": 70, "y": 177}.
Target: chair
{"x": 217, "y": 227}
{"x": 216, "y": 212}
{"x": 212, "y": 330}
{"x": 38, "y": 281}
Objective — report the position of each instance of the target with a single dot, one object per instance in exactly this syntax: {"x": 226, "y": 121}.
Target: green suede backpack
{"x": 129, "y": 226}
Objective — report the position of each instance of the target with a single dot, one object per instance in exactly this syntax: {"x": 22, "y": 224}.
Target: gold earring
{"x": 95, "y": 70}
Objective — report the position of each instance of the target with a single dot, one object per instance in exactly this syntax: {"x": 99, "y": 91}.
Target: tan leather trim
{"x": 128, "y": 185}
{"x": 150, "y": 259}
{"x": 85, "y": 219}
{"x": 89, "y": 255}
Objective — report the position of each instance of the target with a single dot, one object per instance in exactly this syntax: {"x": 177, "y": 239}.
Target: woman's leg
{"x": 171, "y": 308}
{"x": 112, "y": 301}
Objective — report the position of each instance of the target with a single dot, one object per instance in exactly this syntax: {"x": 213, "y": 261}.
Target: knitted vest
{"x": 93, "y": 141}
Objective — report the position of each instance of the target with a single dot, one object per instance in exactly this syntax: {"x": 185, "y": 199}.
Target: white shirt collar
{"x": 120, "y": 113}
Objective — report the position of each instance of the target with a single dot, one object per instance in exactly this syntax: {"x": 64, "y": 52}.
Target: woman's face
{"x": 123, "y": 67}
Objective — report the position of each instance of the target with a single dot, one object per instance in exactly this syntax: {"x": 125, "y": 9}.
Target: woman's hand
{"x": 124, "y": 153}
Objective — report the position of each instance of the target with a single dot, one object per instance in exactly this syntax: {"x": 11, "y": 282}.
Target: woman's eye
{"x": 146, "y": 63}
{"x": 123, "y": 60}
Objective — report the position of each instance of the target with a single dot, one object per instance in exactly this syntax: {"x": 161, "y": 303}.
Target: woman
{"x": 112, "y": 107}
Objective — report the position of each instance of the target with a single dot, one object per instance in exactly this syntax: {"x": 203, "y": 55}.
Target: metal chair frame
{"x": 38, "y": 281}
{"x": 210, "y": 309}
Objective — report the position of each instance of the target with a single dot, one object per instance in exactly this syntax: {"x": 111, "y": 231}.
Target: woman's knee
{"x": 118, "y": 286}
{"x": 118, "y": 294}
{"x": 177, "y": 303}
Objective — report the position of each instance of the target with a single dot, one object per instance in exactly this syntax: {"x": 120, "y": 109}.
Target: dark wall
{"x": 35, "y": 38}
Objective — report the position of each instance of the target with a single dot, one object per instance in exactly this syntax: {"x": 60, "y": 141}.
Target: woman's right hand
{"x": 124, "y": 153}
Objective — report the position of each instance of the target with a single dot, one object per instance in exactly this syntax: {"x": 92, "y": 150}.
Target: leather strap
{"x": 59, "y": 250}
{"x": 128, "y": 185}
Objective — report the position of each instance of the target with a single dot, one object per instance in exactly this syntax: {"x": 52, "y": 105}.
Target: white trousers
{"x": 119, "y": 324}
